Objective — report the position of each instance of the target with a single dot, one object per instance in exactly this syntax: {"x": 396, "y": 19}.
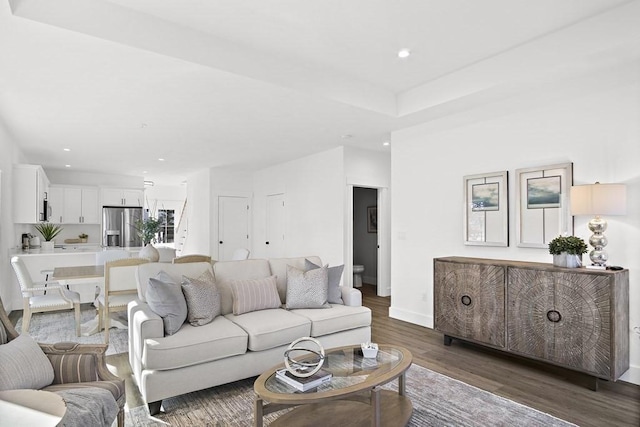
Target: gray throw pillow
{"x": 335, "y": 275}
{"x": 203, "y": 298}
{"x": 307, "y": 289}
{"x": 165, "y": 298}
{"x": 23, "y": 364}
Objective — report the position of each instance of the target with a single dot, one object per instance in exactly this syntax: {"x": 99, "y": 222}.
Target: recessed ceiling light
{"x": 404, "y": 53}
{"x": 67, "y": 149}
{"x": 67, "y": 166}
{"x": 161, "y": 159}
{"x": 145, "y": 172}
{"x": 386, "y": 143}
{"x": 346, "y": 136}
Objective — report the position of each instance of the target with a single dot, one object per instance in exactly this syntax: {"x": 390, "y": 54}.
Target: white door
{"x": 233, "y": 225}
{"x": 275, "y": 243}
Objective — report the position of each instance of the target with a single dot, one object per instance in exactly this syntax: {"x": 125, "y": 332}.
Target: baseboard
{"x": 411, "y": 317}
{"x": 632, "y": 375}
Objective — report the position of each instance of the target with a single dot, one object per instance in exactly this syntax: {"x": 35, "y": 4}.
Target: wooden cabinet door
{"x": 132, "y": 197}
{"x": 470, "y": 301}
{"x": 72, "y": 211}
{"x": 90, "y": 213}
{"x": 562, "y": 317}
{"x": 56, "y": 204}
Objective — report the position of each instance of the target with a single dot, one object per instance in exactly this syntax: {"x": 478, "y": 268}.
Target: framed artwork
{"x": 486, "y": 209}
{"x": 542, "y": 204}
{"x": 372, "y": 219}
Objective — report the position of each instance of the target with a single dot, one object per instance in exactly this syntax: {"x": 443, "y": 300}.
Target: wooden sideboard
{"x": 576, "y": 318}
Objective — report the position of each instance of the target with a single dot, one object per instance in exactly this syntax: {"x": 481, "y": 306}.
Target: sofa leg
{"x": 154, "y": 407}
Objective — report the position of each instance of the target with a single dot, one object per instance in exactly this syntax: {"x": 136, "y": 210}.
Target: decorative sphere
{"x": 598, "y": 257}
{"x": 598, "y": 240}
{"x": 305, "y": 366}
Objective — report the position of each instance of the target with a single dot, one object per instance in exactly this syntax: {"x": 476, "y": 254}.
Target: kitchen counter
{"x": 68, "y": 249}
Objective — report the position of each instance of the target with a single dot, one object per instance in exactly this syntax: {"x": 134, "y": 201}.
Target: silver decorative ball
{"x": 306, "y": 366}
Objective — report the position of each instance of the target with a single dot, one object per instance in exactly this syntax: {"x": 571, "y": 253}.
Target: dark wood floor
{"x": 560, "y": 392}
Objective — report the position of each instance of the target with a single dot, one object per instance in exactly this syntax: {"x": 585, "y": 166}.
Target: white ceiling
{"x": 247, "y": 84}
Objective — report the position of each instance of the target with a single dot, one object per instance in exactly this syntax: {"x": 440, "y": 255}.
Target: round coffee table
{"x": 353, "y": 396}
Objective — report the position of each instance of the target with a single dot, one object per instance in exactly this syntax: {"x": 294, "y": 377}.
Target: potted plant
{"x": 83, "y": 237}
{"x": 567, "y": 251}
{"x": 49, "y": 231}
{"x": 147, "y": 229}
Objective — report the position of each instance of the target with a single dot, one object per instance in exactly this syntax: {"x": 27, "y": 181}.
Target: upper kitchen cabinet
{"x": 122, "y": 197}
{"x": 74, "y": 205}
{"x": 30, "y": 187}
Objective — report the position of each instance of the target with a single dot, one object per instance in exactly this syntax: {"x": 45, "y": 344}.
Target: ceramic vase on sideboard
{"x": 567, "y": 260}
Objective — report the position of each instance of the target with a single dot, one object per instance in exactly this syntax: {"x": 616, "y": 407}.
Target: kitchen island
{"x": 37, "y": 261}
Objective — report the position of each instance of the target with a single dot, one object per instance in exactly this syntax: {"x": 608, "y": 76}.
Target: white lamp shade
{"x": 599, "y": 199}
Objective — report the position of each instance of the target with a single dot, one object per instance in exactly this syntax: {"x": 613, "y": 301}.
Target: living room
{"x": 568, "y": 95}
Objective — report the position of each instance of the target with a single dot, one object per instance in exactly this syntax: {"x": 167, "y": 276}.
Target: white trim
{"x": 411, "y": 317}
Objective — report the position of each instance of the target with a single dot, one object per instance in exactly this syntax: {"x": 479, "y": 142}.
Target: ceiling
{"x": 201, "y": 83}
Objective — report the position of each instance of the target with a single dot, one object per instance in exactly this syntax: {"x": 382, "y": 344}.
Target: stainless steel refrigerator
{"x": 119, "y": 226}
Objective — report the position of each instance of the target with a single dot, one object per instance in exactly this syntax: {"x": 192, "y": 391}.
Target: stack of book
{"x": 306, "y": 383}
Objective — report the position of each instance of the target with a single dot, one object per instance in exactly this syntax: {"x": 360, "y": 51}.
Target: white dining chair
{"x": 240, "y": 254}
{"x": 191, "y": 258}
{"x": 35, "y": 301}
{"x": 120, "y": 288}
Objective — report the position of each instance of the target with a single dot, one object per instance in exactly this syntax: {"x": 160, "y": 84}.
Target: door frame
{"x": 384, "y": 235}
{"x": 215, "y": 221}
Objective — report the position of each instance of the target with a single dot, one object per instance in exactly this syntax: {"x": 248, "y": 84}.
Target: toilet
{"x": 357, "y": 275}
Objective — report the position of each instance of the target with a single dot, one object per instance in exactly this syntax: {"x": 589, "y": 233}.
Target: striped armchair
{"x": 75, "y": 366}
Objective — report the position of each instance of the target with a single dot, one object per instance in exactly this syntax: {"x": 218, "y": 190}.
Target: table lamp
{"x": 598, "y": 199}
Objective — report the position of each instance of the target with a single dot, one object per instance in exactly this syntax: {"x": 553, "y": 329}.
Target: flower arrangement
{"x": 571, "y": 245}
{"x": 48, "y": 230}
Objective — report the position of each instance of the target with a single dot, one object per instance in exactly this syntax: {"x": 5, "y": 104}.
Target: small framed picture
{"x": 542, "y": 204}
{"x": 372, "y": 219}
{"x": 486, "y": 209}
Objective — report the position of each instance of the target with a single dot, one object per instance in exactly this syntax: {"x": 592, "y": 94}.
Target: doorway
{"x": 233, "y": 225}
{"x": 365, "y": 236}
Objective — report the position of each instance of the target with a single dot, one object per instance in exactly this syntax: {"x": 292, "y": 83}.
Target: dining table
{"x": 86, "y": 275}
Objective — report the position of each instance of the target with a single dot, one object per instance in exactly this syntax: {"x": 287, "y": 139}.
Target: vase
{"x": 567, "y": 260}
{"x": 47, "y": 246}
{"x": 150, "y": 253}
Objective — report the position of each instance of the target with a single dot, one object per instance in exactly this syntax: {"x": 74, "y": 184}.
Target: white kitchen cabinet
{"x": 74, "y": 205}
{"x": 30, "y": 187}
{"x": 122, "y": 197}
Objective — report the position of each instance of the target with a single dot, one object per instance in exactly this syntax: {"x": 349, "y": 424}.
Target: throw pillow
{"x": 335, "y": 275}
{"x": 23, "y": 364}
{"x": 203, "y": 298}
{"x": 254, "y": 294}
{"x": 307, "y": 289}
{"x": 165, "y": 298}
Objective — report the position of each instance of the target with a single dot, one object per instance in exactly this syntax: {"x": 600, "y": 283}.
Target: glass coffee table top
{"x": 349, "y": 368}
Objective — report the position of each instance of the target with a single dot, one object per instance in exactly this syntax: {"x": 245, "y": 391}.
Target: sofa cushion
{"x": 23, "y": 364}
{"x": 335, "y": 276}
{"x": 194, "y": 345}
{"x": 166, "y": 299}
{"x": 307, "y": 289}
{"x": 227, "y": 271}
{"x": 203, "y": 298}
{"x": 271, "y": 328}
{"x": 278, "y": 267}
{"x": 145, "y": 271}
{"x": 254, "y": 294}
{"x": 339, "y": 318}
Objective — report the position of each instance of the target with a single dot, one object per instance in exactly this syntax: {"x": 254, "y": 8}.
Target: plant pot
{"x": 47, "y": 246}
{"x": 83, "y": 240}
{"x": 567, "y": 260}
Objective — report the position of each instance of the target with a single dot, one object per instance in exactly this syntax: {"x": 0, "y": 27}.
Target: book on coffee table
{"x": 306, "y": 383}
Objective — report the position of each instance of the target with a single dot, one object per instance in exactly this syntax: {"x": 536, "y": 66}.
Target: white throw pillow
{"x": 23, "y": 364}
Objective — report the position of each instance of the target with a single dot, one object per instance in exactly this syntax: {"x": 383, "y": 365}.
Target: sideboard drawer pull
{"x": 466, "y": 300}
{"x": 554, "y": 316}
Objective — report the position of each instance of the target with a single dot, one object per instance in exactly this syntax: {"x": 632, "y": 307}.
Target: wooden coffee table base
{"x": 394, "y": 410}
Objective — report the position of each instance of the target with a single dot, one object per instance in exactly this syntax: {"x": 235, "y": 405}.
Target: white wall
{"x": 9, "y": 234}
{"x": 198, "y": 213}
{"x": 591, "y": 120}
{"x": 314, "y": 189}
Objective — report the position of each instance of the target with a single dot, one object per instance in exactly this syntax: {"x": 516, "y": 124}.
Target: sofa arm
{"x": 351, "y": 296}
{"x": 143, "y": 324}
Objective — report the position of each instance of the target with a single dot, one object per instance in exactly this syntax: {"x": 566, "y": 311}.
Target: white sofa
{"x": 231, "y": 347}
